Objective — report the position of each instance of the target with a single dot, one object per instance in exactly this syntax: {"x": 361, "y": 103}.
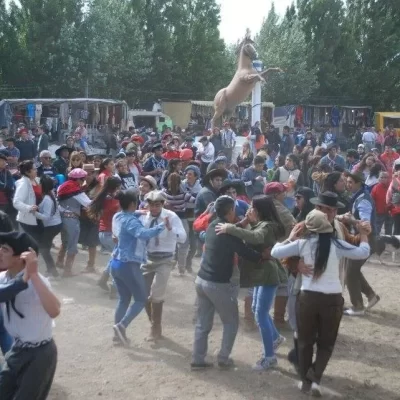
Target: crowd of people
{"x": 290, "y": 219}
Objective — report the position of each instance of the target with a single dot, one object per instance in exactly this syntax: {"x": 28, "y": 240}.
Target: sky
{"x": 237, "y": 16}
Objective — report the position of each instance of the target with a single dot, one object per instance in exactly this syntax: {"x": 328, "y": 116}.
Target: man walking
{"x": 214, "y": 289}
{"x": 228, "y": 140}
{"x": 362, "y": 208}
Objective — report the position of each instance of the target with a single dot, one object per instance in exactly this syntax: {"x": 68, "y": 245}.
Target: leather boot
{"x": 250, "y": 324}
{"x": 279, "y": 312}
{"x": 60, "y": 257}
{"x": 148, "y": 307}
{"x": 69, "y": 262}
{"x": 156, "y": 316}
{"x": 92, "y": 258}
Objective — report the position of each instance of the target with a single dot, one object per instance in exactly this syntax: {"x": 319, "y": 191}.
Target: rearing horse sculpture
{"x": 242, "y": 83}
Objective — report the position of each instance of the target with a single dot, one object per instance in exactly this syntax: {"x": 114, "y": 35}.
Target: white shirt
{"x": 368, "y": 137}
{"x": 36, "y": 326}
{"x": 329, "y": 281}
{"x": 167, "y": 239}
{"x": 208, "y": 152}
{"x": 47, "y": 214}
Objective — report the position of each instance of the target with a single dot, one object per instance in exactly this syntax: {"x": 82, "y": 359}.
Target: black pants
{"x": 28, "y": 373}
{"x": 192, "y": 245}
{"x": 49, "y": 233}
{"x": 357, "y": 284}
{"x": 396, "y": 222}
{"x": 318, "y": 319}
{"x": 32, "y": 230}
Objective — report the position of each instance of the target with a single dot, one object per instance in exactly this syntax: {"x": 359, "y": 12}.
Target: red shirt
{"x": 378, "y": 193}
{"x": 103, "y": 177}
{"x": 169, "y": 155}
{"x": 388, "y": 160}
{"x": 111, "y": 207}
{"x": 38, "y": 193}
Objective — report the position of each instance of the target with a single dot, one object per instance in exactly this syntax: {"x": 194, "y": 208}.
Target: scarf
{"x": 68, "y": 189}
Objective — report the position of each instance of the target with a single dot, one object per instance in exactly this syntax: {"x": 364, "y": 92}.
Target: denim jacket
{"x": 132, "y": 237}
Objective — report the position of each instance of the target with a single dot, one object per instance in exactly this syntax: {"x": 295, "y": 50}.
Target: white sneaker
{"x": 278, "y": 342}
{"x": 353, "y": 313}
{"x": 373, "y": 302}
{"x": 315, "y": 390}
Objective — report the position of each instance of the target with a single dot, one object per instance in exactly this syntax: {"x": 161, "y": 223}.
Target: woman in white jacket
{"x": 28, "y": 194}
{"x": 319, "y": 306}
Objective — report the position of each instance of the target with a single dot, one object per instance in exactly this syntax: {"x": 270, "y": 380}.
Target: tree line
{"x": 332, "y": 51}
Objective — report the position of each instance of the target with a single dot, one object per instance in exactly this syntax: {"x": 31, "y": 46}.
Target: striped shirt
{"x": 25, "y": 318}
{"x": 177, "y": 203}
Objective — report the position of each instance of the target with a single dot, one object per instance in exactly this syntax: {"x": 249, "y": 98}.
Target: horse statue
{"x": 242, "y": 83}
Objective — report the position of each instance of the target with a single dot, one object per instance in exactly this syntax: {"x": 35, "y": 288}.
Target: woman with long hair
{"x": 174, "y": 166}
{"x": 245, "y": 158}
{"x": 71, "y": 199}
{"x": 107, "y": 168}
{"x": 27, "y": 197}
{"x": 366, "y": 164}
{"x": 49, "y": 213}
{"x": 176, "y": 200}
{"x": 335, "y": 182}
{"x": 75, "y": 161}
{"x": 303, "y": 205}
{"x": 102, "y": 210}
{"x": 319, "y": 306}
{"x": 266, "y": 229}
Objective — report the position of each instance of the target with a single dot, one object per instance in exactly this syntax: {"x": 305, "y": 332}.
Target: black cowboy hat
{"x": 63, "y": 147}
{"x": 328, "y": 199}
{"x": 228, "y": 183}
{"x": 213, "y": 174}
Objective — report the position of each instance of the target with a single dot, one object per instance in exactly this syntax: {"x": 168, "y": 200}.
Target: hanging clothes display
{"x": 64, "y": 113}
{"x": 5, "y": 114}
{"x": 38, "y": 113}
{"x": 30, "y": 111}
{"x": 335, "y": 116}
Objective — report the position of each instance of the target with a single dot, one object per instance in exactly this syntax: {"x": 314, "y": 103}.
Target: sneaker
{"x": 226, "y": 365}
{"x": 304, "y": 387}
{"x": 265, "y": 363}
{"x": 316, "y": 390}
{"x": 373, "y": 302}
{"x": 119, "y": 330}
{"x": 117, "y": 341}
{"x": 189, "y": 270}
{"x": 201, "y": 366}
{"x": 354, "y": 313}
{"x": 278, "y": 342}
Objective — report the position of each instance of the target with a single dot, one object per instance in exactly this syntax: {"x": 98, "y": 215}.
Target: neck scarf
{"x": 68, "y": 189}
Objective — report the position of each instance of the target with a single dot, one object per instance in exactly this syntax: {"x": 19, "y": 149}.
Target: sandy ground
{"x": 365, "y": 364}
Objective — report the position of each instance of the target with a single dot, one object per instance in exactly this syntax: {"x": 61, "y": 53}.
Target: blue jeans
{"x": 263, "y": 298}
{"x": 6, "y": 340}
{"x": 130, "y": 283}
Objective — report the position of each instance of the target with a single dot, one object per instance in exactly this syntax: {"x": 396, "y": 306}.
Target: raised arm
{"x": 256, "y": 236}
{"x": 286, "y": 249}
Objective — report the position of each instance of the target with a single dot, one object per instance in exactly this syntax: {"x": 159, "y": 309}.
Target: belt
{"x": 31, "y": 345}
{"x": 160, "y": 255}
{"x": 69, "y": 214}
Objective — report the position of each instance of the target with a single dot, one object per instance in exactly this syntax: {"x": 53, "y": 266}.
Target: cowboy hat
{"x": 210, "y": 175}
{"x": 154, "y": 196}
{"x": 150, "y": 180}
{"x": 328, "y": 199}
{"x": 63, "y": 147}
{"x": 317, "y": 222}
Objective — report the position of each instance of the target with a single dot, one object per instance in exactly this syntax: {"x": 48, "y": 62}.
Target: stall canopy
{"x": 88, "y": 101}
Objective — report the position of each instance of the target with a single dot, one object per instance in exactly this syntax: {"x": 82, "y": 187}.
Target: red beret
{"x": 274, "y": 188}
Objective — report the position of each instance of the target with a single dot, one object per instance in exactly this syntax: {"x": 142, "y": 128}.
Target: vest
{"x": 284, "y": 176}
{"x": 364, "y": 195}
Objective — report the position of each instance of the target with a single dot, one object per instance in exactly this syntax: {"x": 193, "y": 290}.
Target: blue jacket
{"x": 132, "y": 237}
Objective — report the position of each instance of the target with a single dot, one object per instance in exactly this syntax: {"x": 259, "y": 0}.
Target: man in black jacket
{"x": 214, "y": 289}
{"x": 26, "y": 147}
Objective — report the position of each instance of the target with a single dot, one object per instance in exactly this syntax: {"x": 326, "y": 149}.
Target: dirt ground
{"x": 365, "y": 364}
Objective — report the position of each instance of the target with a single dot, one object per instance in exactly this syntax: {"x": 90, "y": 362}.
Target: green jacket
{"x": 259, "y": 237}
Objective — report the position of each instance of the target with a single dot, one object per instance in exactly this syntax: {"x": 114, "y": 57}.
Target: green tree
{"x": 281, "y": 44}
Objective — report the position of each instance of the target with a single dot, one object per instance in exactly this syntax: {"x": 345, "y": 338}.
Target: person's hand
{"x": 259, "y": 178}
{"x": 364, "y": 228}
{"x": 304, "y": 269}
{"x": 34, "y": 209}
{"x": 345, "y": 218}
{"x": 167, "y": 224}
{"x": 31, "y": 261}
{"x": 296, "y": 232}
{"x": 221, "y": 228}
{"x": 251, "y": 215}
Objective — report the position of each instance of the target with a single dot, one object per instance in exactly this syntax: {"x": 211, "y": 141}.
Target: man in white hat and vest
{"x": 160, "y": 256}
